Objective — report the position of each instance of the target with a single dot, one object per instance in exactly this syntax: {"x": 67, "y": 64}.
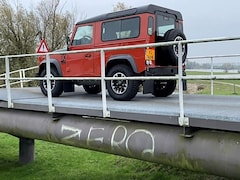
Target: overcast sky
{"x": 202, "y": 18}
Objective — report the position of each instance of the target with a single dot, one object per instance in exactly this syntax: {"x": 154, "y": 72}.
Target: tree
{"x": 227, "y": 66}
{"x": 120, "y": 6}
{"x": 17, "y": 35}
{"x": 17, "y": 29}
{"x": 54, "y": 23}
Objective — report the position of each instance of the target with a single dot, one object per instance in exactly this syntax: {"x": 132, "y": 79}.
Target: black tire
{"x": 172, "y": 51}
{"x": 92, "y": 89}
{"x": 56, "y": 85}
{"x": 123, "y": 90}
{"x": 164, "y": 88}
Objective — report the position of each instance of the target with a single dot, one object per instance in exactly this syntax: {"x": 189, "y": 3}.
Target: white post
{"x": 21, "y": 77}
{"x": 106, "y": 113}
{"x": 49, "y": 88}
{"x": 183, "y": 121}
{"x": 7, "y": 82}
{"x": 212, "y": 76}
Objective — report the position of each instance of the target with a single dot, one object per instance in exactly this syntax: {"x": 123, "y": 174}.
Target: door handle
{"x": 63, "y": 61}
{"x": 88, "y": 55}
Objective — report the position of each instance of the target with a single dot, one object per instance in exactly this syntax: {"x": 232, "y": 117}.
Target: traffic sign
{"x": 43, "y": 48}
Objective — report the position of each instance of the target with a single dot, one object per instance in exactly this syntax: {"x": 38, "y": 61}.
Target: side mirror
{"x": 68, "y": 40}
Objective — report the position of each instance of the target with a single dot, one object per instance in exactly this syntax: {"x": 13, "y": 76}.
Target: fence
{"x": 183, "y": 121}
{"x": 21, "y": 74}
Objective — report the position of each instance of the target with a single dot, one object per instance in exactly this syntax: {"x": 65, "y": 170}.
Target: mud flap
{"x": 68, "y": 86}
{"x": 185, "y": 85}
{"x": 184, "y": 81}
{"x": 148, "y": 86}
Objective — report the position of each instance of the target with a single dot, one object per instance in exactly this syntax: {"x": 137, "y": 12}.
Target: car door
{"x": 81, "y": 64}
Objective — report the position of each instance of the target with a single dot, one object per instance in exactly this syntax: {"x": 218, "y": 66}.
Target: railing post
{"x": 212, "y": 76}
{"x": 106, "y": 113}
{"x": 49, "y": 88}
{"x": 183, "y": 121}
{"x": 21, "y": 77}
{"x": 7, "y": 82}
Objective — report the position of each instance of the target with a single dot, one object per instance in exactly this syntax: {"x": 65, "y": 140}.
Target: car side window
{"x": 83, "y": 35}
{"x": 150, "y": 25}
{"x": 121, "y": 29}
{"x": 164, "y": 23}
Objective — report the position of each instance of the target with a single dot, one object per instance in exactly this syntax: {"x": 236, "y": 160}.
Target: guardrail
{"x": 22, "y": 76}
{"x": 211, "y": 59}
{"x": 183, "y": 121}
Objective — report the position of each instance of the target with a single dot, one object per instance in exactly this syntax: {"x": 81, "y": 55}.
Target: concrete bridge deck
{"x": 204, "y": 111}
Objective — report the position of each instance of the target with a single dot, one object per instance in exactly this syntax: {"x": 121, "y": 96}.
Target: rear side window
{"x": 150, "y": 25}
{"x": 121, "y": 29}
{"x": 164, "y": 23}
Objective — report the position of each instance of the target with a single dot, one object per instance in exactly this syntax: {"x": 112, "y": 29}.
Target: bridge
{"x": 203, "y": 111}
{"x": 183, "y": 130}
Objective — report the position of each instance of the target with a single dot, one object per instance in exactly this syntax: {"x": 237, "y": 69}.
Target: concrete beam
{"x": 209, "y": 151}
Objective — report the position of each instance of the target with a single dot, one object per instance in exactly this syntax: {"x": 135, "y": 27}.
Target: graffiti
{"x": 74, "y": 132}
{"x": 139, "y": 135}
{"x": 121, "y": 139}
{"x": 92, "y": 138}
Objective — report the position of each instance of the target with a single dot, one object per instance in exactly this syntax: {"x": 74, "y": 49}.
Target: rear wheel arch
{"x": 122, "y": 59}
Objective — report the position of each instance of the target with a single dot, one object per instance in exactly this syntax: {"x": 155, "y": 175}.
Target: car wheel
{"x": 56, "y": 85}
{"x": 164, "y": 88}
{"x": 172, "y": 51}
{"x": 92, "y": 89}
{"x": 123, "y": 89}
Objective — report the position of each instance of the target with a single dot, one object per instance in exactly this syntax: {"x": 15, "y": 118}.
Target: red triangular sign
{"x": 43, "y": 48}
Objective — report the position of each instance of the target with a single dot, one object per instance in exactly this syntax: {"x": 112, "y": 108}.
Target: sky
{"x": 202, "y": 18}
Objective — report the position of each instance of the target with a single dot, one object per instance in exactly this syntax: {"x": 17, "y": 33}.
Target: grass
{"x": 221, "y": 87}
{"x": 59, "y": 162}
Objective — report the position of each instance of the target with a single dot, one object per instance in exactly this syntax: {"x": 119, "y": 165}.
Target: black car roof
{"x": 133, "y": 11}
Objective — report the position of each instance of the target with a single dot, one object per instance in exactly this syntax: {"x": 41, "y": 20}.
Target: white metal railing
{"x": 212, "y": 58}
{"x": 183, "y": 121}
{"x": 21, "y": 74}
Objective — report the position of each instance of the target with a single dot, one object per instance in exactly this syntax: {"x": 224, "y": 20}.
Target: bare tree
{"x": 17, "y": 35}
{"x": 120, "y": 6}
{"x": 17, "y": 29}
{"x": 227, "y": 66}
{"x": 54, "y": 23}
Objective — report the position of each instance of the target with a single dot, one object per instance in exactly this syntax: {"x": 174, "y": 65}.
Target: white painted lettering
{"x": 74, "y": 132}
{"x": 114, "y": 143}
{"x": 96, "y": 139}
{"x": 144, "y": 151}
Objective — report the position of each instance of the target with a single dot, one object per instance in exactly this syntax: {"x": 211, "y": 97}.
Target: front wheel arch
{"x": 53, "y": 63}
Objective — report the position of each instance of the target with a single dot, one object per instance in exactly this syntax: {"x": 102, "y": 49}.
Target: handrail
{"x": 212, "y": 57}
{"x": 183, "y": 121}
{"x": 22, "y": 76}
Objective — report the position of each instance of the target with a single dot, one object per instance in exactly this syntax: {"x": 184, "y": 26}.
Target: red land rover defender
{"x": 142, "y": 25}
